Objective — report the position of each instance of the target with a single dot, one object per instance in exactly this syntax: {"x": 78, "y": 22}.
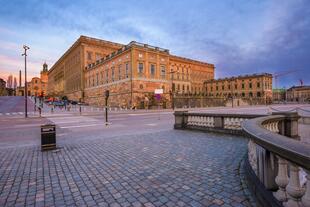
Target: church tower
{"x": 44, "y": 73}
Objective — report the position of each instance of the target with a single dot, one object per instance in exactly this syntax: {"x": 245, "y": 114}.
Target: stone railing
{"x": 278, "y": 165}
{"x": 228, "y": 123}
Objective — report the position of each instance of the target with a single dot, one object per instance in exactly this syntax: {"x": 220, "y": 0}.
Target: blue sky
{"x": 238, "y": 36}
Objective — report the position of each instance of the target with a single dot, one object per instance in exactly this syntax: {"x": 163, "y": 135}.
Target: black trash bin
{"x": 48, "y": 137}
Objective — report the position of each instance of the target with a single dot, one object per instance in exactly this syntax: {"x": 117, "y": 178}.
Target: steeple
{"x": 45, "y": 69}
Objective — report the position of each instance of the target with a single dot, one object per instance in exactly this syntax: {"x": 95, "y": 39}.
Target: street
{"x": 135, "y": 160}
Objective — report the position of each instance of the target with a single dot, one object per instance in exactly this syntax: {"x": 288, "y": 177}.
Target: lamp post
{"x": 25, "y": 54}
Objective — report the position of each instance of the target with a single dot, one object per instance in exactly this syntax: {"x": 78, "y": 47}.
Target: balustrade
{"x": 292, "y": 158}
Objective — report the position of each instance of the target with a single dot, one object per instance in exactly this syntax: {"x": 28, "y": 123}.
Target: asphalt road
{"x": 18, "y": 131}
{"x": 15, "y": 130}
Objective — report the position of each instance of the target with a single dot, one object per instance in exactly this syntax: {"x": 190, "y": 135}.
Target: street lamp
{"x": 25, "y": 54}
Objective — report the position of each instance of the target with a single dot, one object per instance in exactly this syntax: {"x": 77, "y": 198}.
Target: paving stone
{"x": 170, "y": 168}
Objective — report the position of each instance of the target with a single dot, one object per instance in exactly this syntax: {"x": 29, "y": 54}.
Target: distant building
{"x": 15, "y": 83}
{"x": 9, "y": 83}
{"x": 3, "y": 91}
{"x": 278, "y": 94}
{"x": 38, "y": 86}
{"x": 298, "y": 93}
{"x": 245, "y": 87}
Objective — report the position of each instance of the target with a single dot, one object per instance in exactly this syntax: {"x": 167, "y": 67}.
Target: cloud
{"x": 238, "y": 36}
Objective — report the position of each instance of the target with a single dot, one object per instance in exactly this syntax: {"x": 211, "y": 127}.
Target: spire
{"x": 45, "y": 69}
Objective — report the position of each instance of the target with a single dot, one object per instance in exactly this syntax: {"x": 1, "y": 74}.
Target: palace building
{"x": 245, "y": 87}
{"x": 130, "y": 72}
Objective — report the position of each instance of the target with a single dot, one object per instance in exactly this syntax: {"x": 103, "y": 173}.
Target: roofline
{"x": 81, "y": 39}
{"x": 195, "y": 61}
{"x": 239, "y": 77}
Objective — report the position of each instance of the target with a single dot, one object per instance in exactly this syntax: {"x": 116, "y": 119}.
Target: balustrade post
{"x": 289, "y": 126}
{"x": 180, "y": 119}
{"x": 306, "y": 198}
{"x": 219, "y": 122}
{"x": 294, "y": 190}
{"x": 281, "y": 180}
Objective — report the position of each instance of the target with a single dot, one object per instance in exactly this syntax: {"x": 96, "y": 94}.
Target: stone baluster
{"x": 195, "y": 120}
{"x": 226, "y": 123}
{"x": 189, "y": 121}
{"x": 293, "y": 189}
{"x": 231, "y": 123}
{"x": 200, "y": 121}
{"x": 205, "y": 121}
{"x": 281, "y": 180}
{"x": 210, "y": 122}
{"x": 306, "y": 198}
{"x": 240, "y": 122}
{"x": 237, "y": 123}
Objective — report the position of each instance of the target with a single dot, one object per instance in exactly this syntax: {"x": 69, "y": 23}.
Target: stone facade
{"x": 132, "y": 74}
{"x": 278, "y": 94}
{"x": 3, "y": 91}
{"x": 244, "y": 87}
{"x": 37, "y": 86}
{"x": 298, "y": 93}
{"x": 66, "y": 77}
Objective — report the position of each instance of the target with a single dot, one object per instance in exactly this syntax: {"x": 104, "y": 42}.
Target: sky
{"x": 238, "y": 36}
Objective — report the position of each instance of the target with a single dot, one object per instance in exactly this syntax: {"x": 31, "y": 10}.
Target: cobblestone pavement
{"x": 171, "y": 168}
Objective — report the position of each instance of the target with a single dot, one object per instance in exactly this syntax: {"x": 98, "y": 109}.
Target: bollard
{"x": 40, "y": 111}
{"x": 80, "y": 110}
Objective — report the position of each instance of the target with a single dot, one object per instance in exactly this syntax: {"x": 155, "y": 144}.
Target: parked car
{"x": 74, "y": 102}
{"x": 58, "y": 103}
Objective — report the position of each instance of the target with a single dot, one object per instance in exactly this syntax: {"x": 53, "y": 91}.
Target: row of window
{"x": 236, "y": 86}
{"x": 95, "y": 80}
{"x": 152, "y": 69}
{"x": 185, "y": 88}
{"x": 98, "y": 56}
{"x": 250, "y": 94}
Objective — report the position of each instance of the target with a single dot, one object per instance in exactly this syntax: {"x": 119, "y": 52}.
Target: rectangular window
{"x": 242, "y": 85}
{"x": 250, "y": 85}
{"x": 112, "y": 75}
{"x": 107, "y": 76}
{"x": 119, "y": 72}
{"x": 140, "y": 68}
{"x": 127, "y": 70}
{"x": 258, "y": 85}
{"x": 223, "y": 87}
{"x": 98, "y": 56}
{"x": 163, "y": 71}
{"x": 152, "y": 70}
{"x": 89, "y": 55}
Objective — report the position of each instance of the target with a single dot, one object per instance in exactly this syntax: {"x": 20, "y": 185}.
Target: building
{"x": 278, "y": 94}
{"x": 3, "y": 91}
{"x": 66, "y": 76}
{"x": 244, "y": 87}
{"x": 9, "y": 83}
{"x": 130, "y": 72}
{"x": 38, "y": 86}
{"x": 298, "y": 93}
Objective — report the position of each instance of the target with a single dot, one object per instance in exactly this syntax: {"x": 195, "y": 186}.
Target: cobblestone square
{"x": 170, "y": 168}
